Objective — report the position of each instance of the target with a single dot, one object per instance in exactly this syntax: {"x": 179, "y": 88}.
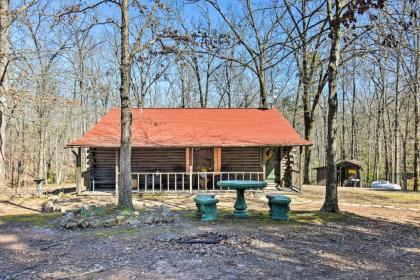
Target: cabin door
{"x": 203, "y": 159}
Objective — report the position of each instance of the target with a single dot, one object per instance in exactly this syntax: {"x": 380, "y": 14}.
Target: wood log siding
{"x": 101, "y": 163}
{"x": 158, "y": 159}
{"x": 245, "y": 159}
{"x": 142, "y": 160}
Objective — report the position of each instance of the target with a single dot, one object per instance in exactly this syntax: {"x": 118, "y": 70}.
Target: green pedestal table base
{"x": 240, "y": 186}
{"x": 240, "y": 205}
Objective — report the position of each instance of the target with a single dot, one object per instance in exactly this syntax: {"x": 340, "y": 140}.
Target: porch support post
{"x": 191, "y": 179}
{"x": 288, "y": 170}
{"x": 79, "y": 170}
{"x": 264, "y": 167}
{"x": 280, "y": 166}
{"x": 116, "y": 172}
{"x": 300, "y": 173}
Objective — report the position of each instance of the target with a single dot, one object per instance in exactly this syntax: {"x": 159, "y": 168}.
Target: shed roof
{"x": 344, "y": 162}
{"x": 195, "y": 127}
{"x": 350, "y": 162}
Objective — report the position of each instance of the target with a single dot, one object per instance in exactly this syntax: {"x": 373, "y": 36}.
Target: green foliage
{"x": 99, "y": 211}
{"x": 85, "y": 213}
{"x": 33, "y": 219}
{"x": 52, "y": 178}
{"x": 113, "y": 232}
{"x": 318, "y": 217}
{"x": 125, "y": 212}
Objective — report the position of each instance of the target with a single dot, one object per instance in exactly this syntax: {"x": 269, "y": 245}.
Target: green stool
{"x": 279, "y": 207}
{"x": 201, "y": 195}
{"x": 206, "y": 205}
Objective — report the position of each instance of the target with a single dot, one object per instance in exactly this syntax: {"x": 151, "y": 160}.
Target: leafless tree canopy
{"x": 345, "y": 73}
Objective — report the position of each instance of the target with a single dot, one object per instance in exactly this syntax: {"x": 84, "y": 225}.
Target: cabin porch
{"x": 192, "y": 168}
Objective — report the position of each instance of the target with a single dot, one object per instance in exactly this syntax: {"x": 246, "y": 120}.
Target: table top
{"x": 241, "y": 184}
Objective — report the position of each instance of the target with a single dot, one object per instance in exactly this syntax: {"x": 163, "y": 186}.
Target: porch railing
{"x": 187, "y": 181}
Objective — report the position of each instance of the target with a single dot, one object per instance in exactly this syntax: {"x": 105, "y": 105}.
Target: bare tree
{"x": 339, "y": 13}
{"x": 128, "y": 53}
{"x": 261, "y": 43}
{"x": 307, "y": 40}
{"x": 7, "y": 18}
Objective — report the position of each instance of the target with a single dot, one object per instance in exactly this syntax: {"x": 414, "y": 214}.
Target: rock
{"x": 95, "y": 223}
{"x": 71, "y": 225}
{"x": 120, "y": 219}
{"x": 133, "y": 222}
{"x": 93, "y": 207}
{"x": 165, "y": 210}
{"x": 64, "y": 221}
{"x": 48, "y": 207}
{"x": 165, "y": 237}
{"x": 150, "y": 219}
{"x": 136, "y": 213}
{"x": 110, "y": 222}
{"x": 84, "y": 223}
{"x": 68, "y": 217}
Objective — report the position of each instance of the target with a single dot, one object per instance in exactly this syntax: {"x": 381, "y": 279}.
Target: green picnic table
{"x": 241, "y": 186}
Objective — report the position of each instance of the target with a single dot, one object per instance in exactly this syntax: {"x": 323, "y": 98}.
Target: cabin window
{"x": 203, "y": 159}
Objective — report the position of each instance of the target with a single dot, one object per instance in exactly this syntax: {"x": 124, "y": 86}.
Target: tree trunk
{"x": 343, "y": 126}
{"x": 228, "y": 86}
{"x": 21, "y": 160}
{"x": 376, "y": 144}
{"x": 40, "y": 166}
{"x": 307, "y": 154}
{"x": 263, "y": 90}
{"x": 331, "y": 197}
{"x": 308, "y": 122}
{"x": 124, "y": 191}
{"x": 385, "y": 139}
{"x": 396, "y": 170}
{"x": 404, "y": 147}
{"x": 198, "y": 77}
{"x": 416, "y": 118}
{"x": 353, "y": 117}
{"x": 307, "y": 115}
{"x": 4, "y": 60}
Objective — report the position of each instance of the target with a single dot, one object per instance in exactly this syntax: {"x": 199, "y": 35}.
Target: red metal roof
{"x": 195, "y": 127}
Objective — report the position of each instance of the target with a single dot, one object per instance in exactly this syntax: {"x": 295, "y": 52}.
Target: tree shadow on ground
{"x": 19, "y": 206}
{"x": 61, "y": 190}
{"x": 329, "y": 245}
{"x": 311, "y": 245}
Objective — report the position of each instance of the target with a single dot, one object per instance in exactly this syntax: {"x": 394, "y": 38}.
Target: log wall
{"x": 101, "y": 162}
{"x": 246, "y": 159}
{"x": 158, "y": 160}
{"x": 101, "y": 165}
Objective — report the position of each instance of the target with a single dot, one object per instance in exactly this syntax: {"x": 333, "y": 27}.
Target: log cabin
{"x": 179, "y": 149}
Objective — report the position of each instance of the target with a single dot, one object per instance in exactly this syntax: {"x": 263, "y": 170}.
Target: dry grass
{"x": 401, "y": 199}
{"x": 397, "y": 206}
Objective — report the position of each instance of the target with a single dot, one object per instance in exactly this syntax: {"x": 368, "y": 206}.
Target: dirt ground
{"x": 375, "y": 237}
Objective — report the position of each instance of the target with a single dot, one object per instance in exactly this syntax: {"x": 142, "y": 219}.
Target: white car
{"x": 385, "y": 185}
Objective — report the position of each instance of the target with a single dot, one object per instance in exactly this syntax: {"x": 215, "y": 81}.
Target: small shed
{"x": 349, "y": 173}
